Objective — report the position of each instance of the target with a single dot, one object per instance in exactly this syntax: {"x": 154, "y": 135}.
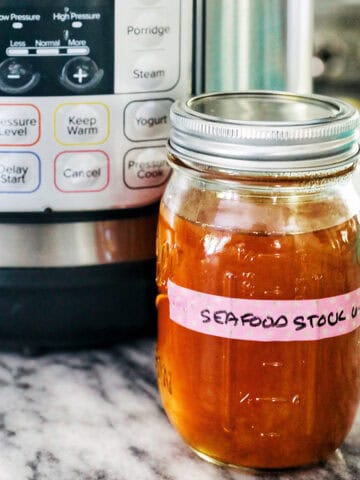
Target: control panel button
{"x": 82, "y": 171}
{"x": 17, "y": 76}
{"x": 82, "y": 123}
{"x": 149, "y": 72}
{"x": 19, "y": 172}
{"x": 81, "y": 74}
{"x": 150, "y": 29}
{"x": 19, "y": 125}
{"x": 147, "y": 120}
{"x": 146, "y": 168}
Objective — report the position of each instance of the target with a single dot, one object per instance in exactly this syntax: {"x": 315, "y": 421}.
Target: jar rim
{"x": 257, "y": 130}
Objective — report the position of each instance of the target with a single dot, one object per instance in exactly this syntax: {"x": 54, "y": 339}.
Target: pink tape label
{"x": 264, "y": 320}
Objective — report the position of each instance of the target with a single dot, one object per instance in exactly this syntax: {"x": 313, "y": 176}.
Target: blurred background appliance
{"x": 301, "y": 46}
{"x": 336, "y": 62}
{"x": 255, "y": 44}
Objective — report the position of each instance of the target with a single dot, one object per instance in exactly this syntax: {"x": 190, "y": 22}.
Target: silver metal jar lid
{"x": 264, "y": 131}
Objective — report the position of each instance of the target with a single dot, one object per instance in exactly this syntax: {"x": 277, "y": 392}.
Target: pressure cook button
{"x": 17, "y": 77}
{"x": 82, "y": 171}
{"x": 81, "y": 74}
{"x": 146, "y": 168}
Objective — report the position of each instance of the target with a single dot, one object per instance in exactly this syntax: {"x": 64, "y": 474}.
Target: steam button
{"x": 149, "y": 72}
{"x": 17, "y": 76}
{"x": 81, "y": 74}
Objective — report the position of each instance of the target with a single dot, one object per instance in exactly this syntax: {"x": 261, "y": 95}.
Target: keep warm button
{"x": 82, "y": 123}
{"x": 82, "y": 171}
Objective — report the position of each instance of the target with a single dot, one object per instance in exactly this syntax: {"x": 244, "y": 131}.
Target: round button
{"x": 150, "y": 28}
{"x": 82, "y": 123}
{"x": 146, "y": 168}
{"x": 17, "y": 76}
{"x": 149, "y": 71}
{"x": 82, "y": 171}
{"x": 81, "y": 74}
{"x": 147, "y": 120}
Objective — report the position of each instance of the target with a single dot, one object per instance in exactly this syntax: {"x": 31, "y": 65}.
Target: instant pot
{"x": 85, "y": 92}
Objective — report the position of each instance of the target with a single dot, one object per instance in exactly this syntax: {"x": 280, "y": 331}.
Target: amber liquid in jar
{"x": 249, "y": 403}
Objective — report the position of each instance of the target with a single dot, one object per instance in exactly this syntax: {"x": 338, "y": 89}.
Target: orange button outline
{"x": 39, "y": 120}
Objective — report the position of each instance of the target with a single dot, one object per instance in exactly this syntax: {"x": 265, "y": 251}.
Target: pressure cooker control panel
{"x": 85, "y": 92}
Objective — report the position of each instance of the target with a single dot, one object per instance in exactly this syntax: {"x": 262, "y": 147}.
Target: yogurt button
{"x": 147, "y": 120}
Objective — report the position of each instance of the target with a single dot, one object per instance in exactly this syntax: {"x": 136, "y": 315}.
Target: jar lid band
{"x": 260, "y": 130}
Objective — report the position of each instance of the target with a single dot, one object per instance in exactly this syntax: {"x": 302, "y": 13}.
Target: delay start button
{"x": 82, "y": 171}
{"x": 20, "y": 172}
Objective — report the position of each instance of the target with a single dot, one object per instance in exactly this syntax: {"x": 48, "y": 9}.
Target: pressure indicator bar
{"x": 46, "y": 51}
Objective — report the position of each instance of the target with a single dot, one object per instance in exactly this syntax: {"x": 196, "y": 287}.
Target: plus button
{"x": 80, "y": 75}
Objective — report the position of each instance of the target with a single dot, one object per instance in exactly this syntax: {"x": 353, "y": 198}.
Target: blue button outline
{"x": 39, "y": 164}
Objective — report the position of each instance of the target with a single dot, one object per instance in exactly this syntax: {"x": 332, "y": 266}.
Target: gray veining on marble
{"x": 97, "y": 416}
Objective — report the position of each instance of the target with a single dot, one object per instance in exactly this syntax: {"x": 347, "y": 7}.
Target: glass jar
{"x": 258, "y": 275}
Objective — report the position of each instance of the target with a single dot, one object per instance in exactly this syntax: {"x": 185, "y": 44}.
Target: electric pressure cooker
{"x": 85, "y": 92}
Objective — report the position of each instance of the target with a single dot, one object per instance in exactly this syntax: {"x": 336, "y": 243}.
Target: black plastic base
{"x": 44, "y": 309}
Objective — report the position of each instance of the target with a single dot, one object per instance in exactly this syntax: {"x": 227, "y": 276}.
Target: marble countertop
{"x": 97, "y": 416}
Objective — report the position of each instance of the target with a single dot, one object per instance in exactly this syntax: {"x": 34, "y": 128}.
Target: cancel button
{"x": 82, "y": 171}
{"x": 85, "y": 174}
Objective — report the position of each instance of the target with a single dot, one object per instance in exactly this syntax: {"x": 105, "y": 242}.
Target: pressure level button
{"x": 17, "y": 77}
{"x": 81, "y": 74}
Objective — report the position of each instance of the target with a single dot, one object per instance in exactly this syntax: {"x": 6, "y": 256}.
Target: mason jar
{"x": 259, "y": 280}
